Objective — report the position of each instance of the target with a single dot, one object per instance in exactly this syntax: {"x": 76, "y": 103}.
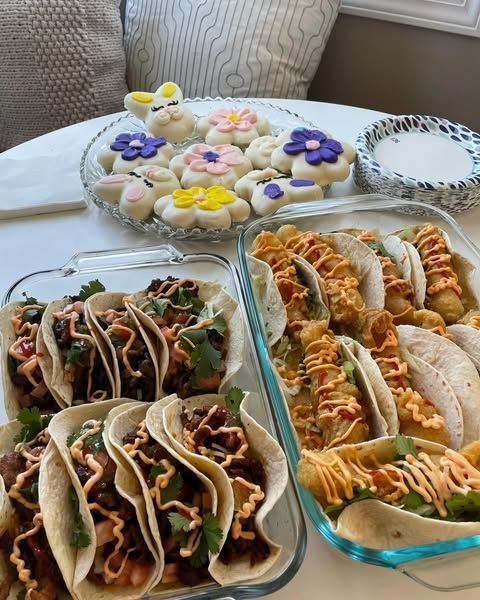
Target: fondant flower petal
{"x": 299, "y": 135}
{"x": 294, "y": 147}
{"x": 231, "y": 158}
{"x": 243, "y": 125}
{"x": 313, "y": 157}
{"x": 139, "y": 136}
{"x": 119, "y": 145}
{"x": 328, "y": 155}
{"x": 148, "y": 151}
{"x": 226, "y": 125}
{"x": 130, "y": 153}
{"x": 316, "y": 134}
{"x": 158, "y": 141}
{"x": 200, "y": 149}
{"x": 222, "y": 149}
{"x": 124, "y": 137}
{"x": 333, "y": 145}
{"x": 197, "y": 164}
{"x": 217, "y": 168}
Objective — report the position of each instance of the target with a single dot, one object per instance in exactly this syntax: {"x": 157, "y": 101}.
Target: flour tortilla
{"x": 53, "y": 363}
{"x": 468, "y": 339}
{"x": 224, "y": 305}
{"x": 365, "y": 264}
{"x": 58, "y": 482}
{"x": 375, "y": 524}
{"x": 122, "y": 423}
{"x": 455, "y": 366}
{"x": 11, "y": 393}
{"x": 263, "y": 445}
{"x": 154, "y": 342}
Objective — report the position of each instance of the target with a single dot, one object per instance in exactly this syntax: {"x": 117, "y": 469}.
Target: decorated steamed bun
{"x": 260, "y": 151}
{"x": 238, "y": 126}
{"x": 136, "y": 192}
{"x": 131, "y": 150}
{"x": 312, "y": 154}
{"x": 208, "y": 208}
{"x": 267, "y": 190}
{"x": 202, "y": 165}
{"x": 163, "y": 112}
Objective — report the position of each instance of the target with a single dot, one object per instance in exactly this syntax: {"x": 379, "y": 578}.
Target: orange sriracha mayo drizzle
{"x": 391, "y": 281}
{"x": 72, "y": 313}
{"x": 318, "y": 253}
{"x": 76, "y": 451}
{"x": 27, "y": 333}
{"x": 320, "y": 358}
{"x": 161, "y": 482}
{"x": 255, "y": 492}
{"x": 394, "y": 372}
{"x": 474, "y": 321}
{"x": 434, "y": 481}
{"x": 32, "y": 465}
{"x": 436, "y": 260}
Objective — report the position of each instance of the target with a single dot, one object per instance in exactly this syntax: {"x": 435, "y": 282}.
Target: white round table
{"x": 44, "y": 242}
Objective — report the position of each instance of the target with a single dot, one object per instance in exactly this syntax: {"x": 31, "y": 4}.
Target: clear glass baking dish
{"x": 128, "y": 270}
{"x": 449, "y": 565}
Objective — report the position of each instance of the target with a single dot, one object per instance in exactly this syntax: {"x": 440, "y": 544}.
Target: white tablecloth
{"x": 44, "y": 242}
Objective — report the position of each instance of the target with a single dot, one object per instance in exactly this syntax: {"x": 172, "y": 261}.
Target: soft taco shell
{"x": 452, "y": 362}
{"x": 61, "y": 426}
{"x": 52, "y": 362}
{"x": 11, "y": 393}
{"x": 263, "y": 445}
{"x": 365, "y": 263}
{"x": 102, "y": 302}
{"x": 468, "y": 339}
{"x": 228, "y": 308}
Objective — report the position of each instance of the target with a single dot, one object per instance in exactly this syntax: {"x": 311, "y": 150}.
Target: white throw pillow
{"x": 259, "y": 48}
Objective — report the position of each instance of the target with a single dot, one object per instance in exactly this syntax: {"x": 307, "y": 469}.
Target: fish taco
{"x": 218, "y": 436}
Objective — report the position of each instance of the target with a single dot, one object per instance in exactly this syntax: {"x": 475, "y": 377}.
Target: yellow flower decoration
{"x": 168, "y": 89}
{"x": 142, "y": 96}
{"x": 211, "y": 198}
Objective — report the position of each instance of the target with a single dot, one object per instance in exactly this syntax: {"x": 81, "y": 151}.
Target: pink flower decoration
{"x": 216, "y": 160}
{"x": 228, "y": 119}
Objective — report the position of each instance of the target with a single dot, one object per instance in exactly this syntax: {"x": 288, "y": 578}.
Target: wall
{"x": 400, "y": 69}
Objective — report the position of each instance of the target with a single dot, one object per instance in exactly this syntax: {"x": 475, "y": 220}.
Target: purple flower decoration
{"x": 132, "y": 145}
{"x": 315, "y": 144}
{"x": 210, "y": 156}
{"x": 273, "y": 191}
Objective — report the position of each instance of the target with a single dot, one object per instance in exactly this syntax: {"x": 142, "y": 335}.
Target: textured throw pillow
{"x": 61, "y": 61}
{"x": 259, "y": 48}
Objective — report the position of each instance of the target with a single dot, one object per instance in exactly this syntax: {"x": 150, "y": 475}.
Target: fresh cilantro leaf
{"x": 206, "y": 360}
{"x": 381, "y": 249}
{"x": 404, "y": 445}
{"x": 312, "y": 306}
{"x": 34, "y": 422}
{"x": 79, "y": 538}
{"x": 181, "y": 537}
{"x": 79, "y": 353}
{"x": 12, "y": 365}
{"x": 185, "y": 297}
{"x": 90, "y": 288}
{"x": 92, "y": 442}
{"x": 178, "y": 522}
{"x": 155, "y": 471}
{"x": 360, "y": 494}
{"x": 200, "y": 557}
{"x": 219, "y": 324}
{"x": 21, "y": 595}
{"x": 155, "y": 305}
{"x": 172, "y": 491}
{"x": 334, "y": 509}
{"x": 413, "y": 500}
{"x": 233, "y": 399}
{"x": 34, "y": 315}
{"x": 349, "y": 369}
{"x": 29, "y": 299}
{"x": 117, "y": 340}
{"x": 212, "y": 532}
{"x": 31, "y": 492}
{"x": 192, "y": 338}
{"x": 464, "y": 507}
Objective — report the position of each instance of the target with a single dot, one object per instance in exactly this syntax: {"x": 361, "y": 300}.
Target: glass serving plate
{"x": 448, "y": 565}
{"x": 91, "y": 170}
{"x": 128, "y": 270}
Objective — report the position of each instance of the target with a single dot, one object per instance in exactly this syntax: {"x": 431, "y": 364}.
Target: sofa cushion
{"x": 259, "y": 48}
{"x": 62, "y": 61}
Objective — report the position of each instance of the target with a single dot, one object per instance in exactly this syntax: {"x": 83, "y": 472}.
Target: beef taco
{"x": 134, "y": 347}
{"x": 216, "y": 434}
{"x": 425, "y": 402}
{"x": 101, "y": 535}
{"x": 397, "y": 491}
{"x": 455, "y": 366}
{"x": 27, "y": 564}
{"x": 74, "y": 357}
{"x": 203, "y": 330}
{"x": 184, "y": 515}
{"x": 25, "y": 376}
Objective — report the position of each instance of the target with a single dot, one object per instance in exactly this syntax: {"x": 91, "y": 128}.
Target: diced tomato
{"x": 39, "y": 354}
{"x": 26, "y": 349}
{"x": 206, "y": 501}
{"x": 209, "y": 383}
{"x": 348, "y": 416}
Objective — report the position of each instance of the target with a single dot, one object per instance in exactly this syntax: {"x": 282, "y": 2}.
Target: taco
{"x": 101, "y": 534}
{"x": 349, "y": 271}
{"x": 134, "y": 347}
{"x": 182, "y": 505}
{"x": 403, "y": 298}
{"x": 24, "y": 381}
{"x": 218, "y": 436}
{"x": 397, "y": 491}
{"x": 449, "y": 276}
{"x": 27, "y": 564}
{"x": 426, "y": 403}
{"x": 466, "y": 335}
{"x": 203, "y": 331}
{"x": 73, "y": 356}
{"x": 455, "y": 366}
